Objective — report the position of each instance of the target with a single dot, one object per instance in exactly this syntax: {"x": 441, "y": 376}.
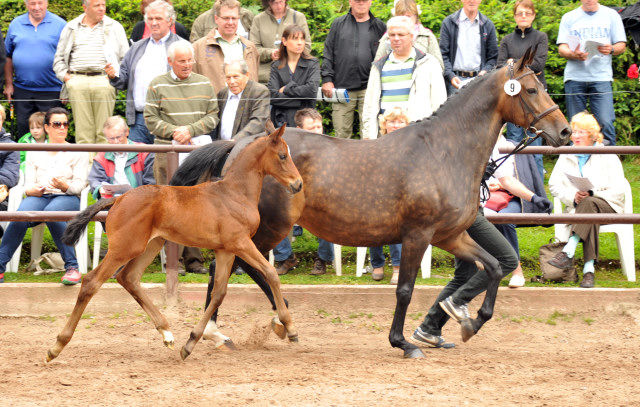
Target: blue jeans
{"x": 283, "y": 250}
{"x": 16, "y": 230}
{"x": 600, "y": 98}
{"x": 509, "y": 230}
{"x": 516, "y": 133}
{"x": 377, "y": 255}
{"x": 139, "y": 132}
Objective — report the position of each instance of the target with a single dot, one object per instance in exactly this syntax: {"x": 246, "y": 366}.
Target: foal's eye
{"x": 283, "y": 156}
{"x": 532, "y": 91}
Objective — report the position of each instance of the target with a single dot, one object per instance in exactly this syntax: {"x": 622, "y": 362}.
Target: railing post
{"x": 171, "y": 248}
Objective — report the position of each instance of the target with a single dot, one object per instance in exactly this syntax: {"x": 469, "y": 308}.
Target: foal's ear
{"x": 527, "y": 58}
{"x": 277, "y": 135}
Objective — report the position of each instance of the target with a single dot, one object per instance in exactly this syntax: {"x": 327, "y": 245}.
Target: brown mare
{"x": 221, "y": 216}
{"x": 416, "y": 186}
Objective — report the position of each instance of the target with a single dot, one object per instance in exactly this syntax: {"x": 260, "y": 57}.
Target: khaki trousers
{"x": 92, "y": 101}
{"x": 342, "y": 113}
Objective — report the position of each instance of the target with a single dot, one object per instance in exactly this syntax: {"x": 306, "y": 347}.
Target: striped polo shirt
{"x": 396, "y": 81}
{"x": 88, "y": 52}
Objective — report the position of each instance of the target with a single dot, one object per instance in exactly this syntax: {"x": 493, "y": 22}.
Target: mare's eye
{"x": 532, "y": 91}
{"x": 283, "y": 156}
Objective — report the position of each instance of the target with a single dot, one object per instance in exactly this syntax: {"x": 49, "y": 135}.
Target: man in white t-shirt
{"x": 588, "y": 37}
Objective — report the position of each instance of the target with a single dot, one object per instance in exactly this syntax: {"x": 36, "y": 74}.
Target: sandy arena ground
{"x": 545, "y": 347}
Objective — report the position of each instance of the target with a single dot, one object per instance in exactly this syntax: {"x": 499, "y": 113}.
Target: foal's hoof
{"x": 466, "y": 329}
{"x": 413, "y": 353}
{"x": 278, "y": 328}
{"x": 184, "y": 353}
{"x": 293, "y": 338}
{"x": 226, "y": 346}
{"x": 50, "y": 356}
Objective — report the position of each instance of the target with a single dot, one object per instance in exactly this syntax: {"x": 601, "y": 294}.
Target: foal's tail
{"x": 203, "y": 164}
{"x": 76, "y": 226}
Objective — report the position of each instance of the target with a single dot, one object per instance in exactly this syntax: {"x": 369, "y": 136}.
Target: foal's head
{"x": 278, "y": 162}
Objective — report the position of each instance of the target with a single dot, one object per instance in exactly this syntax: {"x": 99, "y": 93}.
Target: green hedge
{"x": 321, "y": 13}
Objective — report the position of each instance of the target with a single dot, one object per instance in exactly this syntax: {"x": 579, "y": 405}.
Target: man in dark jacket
{"x": 469, "y": 45}
{"x": 243, "y": 103}
{"x": 9, "y": 164}
{"x": 348, "y": 53}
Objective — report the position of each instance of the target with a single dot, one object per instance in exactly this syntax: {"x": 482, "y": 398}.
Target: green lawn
{"x": 608, "y": 272}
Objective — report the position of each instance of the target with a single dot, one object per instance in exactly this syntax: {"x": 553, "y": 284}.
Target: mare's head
{"x": 525, "y": 102}
{"x": 278, "y": 162}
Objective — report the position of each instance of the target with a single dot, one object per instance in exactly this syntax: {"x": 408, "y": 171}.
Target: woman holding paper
{"x": 53, "y": 182}
{"x": 586, "y": 183}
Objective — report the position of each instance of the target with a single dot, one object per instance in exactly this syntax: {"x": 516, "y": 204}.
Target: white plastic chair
{"x": 624, "y": 234}
{"x": 425, "y": 264}
{"x": 37, "y": 235}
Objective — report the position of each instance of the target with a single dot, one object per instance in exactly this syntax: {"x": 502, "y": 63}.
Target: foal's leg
{"x": 224, "y": 261}
{"x": 91, "y": 283}
{"x": 129, "y": 277}
{"x": 256, "y": 260}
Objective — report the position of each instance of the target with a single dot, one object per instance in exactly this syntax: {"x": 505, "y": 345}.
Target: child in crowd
{"x": 36, "y": 135}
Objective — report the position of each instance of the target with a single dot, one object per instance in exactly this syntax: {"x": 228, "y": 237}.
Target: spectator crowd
{"x": 234, "y": 71}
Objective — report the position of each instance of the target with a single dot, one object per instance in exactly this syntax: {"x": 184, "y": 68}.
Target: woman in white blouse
{"x": 53, "y": 182}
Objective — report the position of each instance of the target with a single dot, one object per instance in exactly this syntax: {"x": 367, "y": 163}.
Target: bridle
{"x": 526, "y": 140}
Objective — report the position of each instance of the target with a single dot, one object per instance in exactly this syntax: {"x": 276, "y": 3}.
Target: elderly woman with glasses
{"x": 605, "y": 193}
{"x": 53, "y": 182}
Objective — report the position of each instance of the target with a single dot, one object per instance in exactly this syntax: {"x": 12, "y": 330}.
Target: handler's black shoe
{"x": 561, "y": 261}
{"x": 455, "y": 311}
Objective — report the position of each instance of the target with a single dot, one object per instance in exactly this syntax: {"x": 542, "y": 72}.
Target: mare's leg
{"x": 413, "y": 248}
{"x": 488, "y": 246}
{"x": 129, "y": 277}
{"x": 224, "y": 261}
{"x": 91, "y": 283}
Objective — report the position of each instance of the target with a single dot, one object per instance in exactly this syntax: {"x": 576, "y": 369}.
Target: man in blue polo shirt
{"x": 31, "y": 43}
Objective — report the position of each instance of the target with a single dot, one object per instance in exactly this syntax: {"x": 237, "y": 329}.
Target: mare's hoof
{"x": 226, "y": 346}
{"x": 466, "y": 329}
{"x": 413, "y": 353}
{"x": 293, "y": 338}
{"x": 278, "y": 328}
{"x": 184, "y": 353}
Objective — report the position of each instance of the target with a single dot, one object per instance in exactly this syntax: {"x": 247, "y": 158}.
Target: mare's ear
{"x": 269, "y": 127}
{"x": 527, "y": 58}
{"x": 277, "y": 135}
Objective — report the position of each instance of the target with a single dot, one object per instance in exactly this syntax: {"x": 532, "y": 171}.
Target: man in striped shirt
{"x": 406, "y": 77}
{"x": 87, "y": 43}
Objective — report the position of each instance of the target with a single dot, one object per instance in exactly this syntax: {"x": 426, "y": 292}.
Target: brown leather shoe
{"x": 587, "y": 281}
{"x": 378, "y": 274}
{"x": 561, "y": 261}
{"x": 319, "y": 268}
{"x": 284, "y": 266}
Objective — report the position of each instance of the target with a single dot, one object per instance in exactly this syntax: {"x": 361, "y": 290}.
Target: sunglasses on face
{"x": 59, "y": 125}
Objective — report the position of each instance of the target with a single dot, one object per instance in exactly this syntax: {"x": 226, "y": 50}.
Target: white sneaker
{"x": 516, "y": 281}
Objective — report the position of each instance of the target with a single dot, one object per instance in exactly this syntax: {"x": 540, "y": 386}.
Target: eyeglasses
{"x": 524, "y": 13}
{"x": 59, "y": 125}
{"x": 186, "y": 63}
{"x": 116, "y": 138}
{"x": 228, "y": 19}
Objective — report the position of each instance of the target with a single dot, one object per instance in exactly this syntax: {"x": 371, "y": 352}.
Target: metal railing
{"x": 172, "y": 164}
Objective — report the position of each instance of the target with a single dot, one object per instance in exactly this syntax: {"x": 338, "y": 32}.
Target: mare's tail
{"x": 76, "y": 226}
{"x": 203, "y": 164}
